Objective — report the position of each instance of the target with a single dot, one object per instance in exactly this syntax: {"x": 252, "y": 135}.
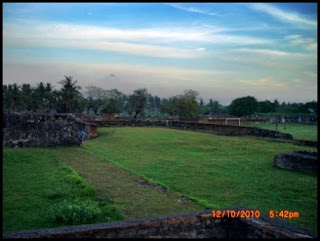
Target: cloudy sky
{"x": 222, "y": 50}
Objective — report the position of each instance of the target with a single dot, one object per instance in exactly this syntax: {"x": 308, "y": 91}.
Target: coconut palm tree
{"x": 70, "y": 92}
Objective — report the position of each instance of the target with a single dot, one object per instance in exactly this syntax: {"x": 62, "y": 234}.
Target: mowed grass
{"x": 298, "y": 131}
{"x": 215, "y": 171}
{"x": 34, "y": 179}
{"x": 136, "y": 197}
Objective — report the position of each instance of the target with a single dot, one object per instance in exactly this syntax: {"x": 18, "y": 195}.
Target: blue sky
{"x": 222, "y": 50}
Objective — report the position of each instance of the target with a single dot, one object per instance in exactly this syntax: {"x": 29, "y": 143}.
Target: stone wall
{"x": 218, "y": 121}
{"x": 304, "y": 161}
{"x": 195, "y": 225}
{"x": 44, "y": 130}
{"x": 230, "y": 130}
{"x": 207, "y": 127}
{"x": 99, "y": 117}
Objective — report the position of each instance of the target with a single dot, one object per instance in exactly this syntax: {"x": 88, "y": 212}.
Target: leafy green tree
{"x": 202, "y": 107}
{"x": 70, "y": 93}
{"x": 114, "y": 101}
{"x": 184, "y": 105}
{"x": 26, "y": 96}
{"x": 312, "y": 105}
{"x": 276, "y": 104}
{"x": 137, "y": 102}
{"x": 243, "y": 106}
{"x": 5, "y": 97}
{"x": 214, "y": 107}
{"x": 266, "y": 106}
{"x": 96, "y": 98}
{"x": 187, "y": 103}
{"x": 15, "y": 97}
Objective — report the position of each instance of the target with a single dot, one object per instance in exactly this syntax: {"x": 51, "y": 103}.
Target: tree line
{"x": 140, "y": 103}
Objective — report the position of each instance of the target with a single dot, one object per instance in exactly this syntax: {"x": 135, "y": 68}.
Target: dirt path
{"x": 137, "y": 197}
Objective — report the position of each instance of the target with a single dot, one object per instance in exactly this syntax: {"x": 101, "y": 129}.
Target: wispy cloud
{"x": 262, "y": 82}
{"x": 287, "y": 16}
{"x": 271, "y": 52}
{"x": 156, "y": 42}
{"x": 191, "y": 9}
{"x": 298, "y": 40}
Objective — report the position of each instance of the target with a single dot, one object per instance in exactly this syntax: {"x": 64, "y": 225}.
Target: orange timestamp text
{"x": 283, "y": 214}
{"x": 236, "y": 213}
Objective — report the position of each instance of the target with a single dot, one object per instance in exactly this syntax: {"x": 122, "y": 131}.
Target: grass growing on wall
{"x": 298, "y": 131}
{"x": 216, "y": 171}
{"x": 39, "y": 191}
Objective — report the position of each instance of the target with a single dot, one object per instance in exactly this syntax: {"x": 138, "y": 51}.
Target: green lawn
{"x": 298, "y": 131}
{"x": 215, "y": 171}
{"x": 35, "y": 179}
{"x": 111, "y": 169}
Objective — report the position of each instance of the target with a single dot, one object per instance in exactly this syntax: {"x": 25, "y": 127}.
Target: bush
{"x": 74, "y": 212}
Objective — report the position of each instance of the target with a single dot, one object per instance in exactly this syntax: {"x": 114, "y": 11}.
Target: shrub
{"x": 74, "y": 212}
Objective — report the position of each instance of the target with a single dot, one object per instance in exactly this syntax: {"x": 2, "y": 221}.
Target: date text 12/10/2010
{"x": 235, "y": 213}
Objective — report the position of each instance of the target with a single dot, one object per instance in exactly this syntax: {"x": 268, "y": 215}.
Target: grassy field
{"x": 215, "y": 171}
{"x": 298, "y": 131}
{"x": 35, "y": 181}
{"x": 212, "y": 171}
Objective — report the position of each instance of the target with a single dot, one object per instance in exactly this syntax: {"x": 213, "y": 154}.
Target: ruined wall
{"x": 206, "y": 127}
{"x": 304, "y": 161}
{"x": 99, "y": 117}
{"x": 218, "y": 121}
{"x": 196, "y": 225}
{"x": 43, "y": 130}
{"x": 230, "y": 130}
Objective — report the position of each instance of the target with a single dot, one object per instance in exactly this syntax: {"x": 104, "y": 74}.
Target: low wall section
{"x": 206, "y": 127}
{"x": 230, "y": 130}
{"x": 303, "y": 161}
{"x": 196, "y": 225}
{"x": 44, "y": 130}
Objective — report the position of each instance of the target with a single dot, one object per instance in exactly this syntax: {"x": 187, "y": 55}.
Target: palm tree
{"x": 70, "y": 92}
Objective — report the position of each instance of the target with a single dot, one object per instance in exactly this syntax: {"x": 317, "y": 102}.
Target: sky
{"x": 222, "y": 50}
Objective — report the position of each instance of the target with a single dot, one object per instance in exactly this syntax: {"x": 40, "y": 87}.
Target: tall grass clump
{"x": 74, "y": 212}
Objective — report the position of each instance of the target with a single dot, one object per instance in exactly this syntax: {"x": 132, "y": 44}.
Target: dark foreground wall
{"x": 43, "y": 130}
{"x": 196, "y": 225}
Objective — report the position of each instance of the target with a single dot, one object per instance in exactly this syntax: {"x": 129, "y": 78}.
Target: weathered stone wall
{"x": 99, "y": 117}
{"x": 207, "y": 127}
{"x": 230, "y": 130}
{"x": 304, "y": 161}
{"x": 195, "y": 225}
{"x": 43, "y": 130}
{"x": 218, "y": 121}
